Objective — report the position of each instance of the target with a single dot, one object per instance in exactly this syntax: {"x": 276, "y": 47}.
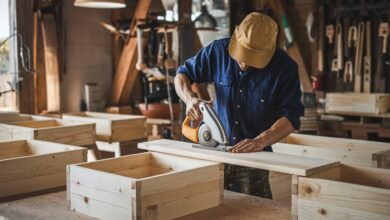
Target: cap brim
{"x": 258, "y": 59}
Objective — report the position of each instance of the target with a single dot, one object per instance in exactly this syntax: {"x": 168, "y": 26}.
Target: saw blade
{"x": 205, "y": 136}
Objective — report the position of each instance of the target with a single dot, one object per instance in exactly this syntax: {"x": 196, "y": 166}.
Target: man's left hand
{"x": 248, "y": 145}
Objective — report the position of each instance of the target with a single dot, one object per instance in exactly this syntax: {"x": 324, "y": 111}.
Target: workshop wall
{"x": 87, "y": 54}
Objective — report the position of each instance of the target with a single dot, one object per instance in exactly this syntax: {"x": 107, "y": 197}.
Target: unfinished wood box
{"x": 29, "y": 165}
{"x": 15, "y": 116}
{"x": 144, "y": 186}
{"x": 357, "y": 103}
{"x": 346, "y": 192}
{"x": 348, "y": 151}
{"x": 53, "y": 130}
{"x": 112, "y": 127}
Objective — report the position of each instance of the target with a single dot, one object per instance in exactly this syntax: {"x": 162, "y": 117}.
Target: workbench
{"x": 236, "y": 206}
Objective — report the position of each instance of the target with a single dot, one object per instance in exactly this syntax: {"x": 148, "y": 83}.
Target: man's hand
{"x": 249, "y": 145}
{"x": 192, "y": 109}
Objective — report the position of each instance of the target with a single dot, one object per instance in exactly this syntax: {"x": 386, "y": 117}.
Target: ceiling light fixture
{"x": 107, "y": 4}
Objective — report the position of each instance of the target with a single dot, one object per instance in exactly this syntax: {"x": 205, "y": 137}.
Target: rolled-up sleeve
{"x": 289, "y": 98}
{"x": 198, "y": 68}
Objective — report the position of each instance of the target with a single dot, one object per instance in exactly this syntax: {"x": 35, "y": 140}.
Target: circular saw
{"x": 209, "y": 134}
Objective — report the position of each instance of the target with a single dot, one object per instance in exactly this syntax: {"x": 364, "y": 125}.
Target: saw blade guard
{"x": 211, "y": 119}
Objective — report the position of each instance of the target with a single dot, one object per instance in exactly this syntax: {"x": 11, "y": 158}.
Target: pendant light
{"x": 100, "y": 3}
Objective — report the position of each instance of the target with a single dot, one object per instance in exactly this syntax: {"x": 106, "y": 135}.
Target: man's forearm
{"x": 183, "y": 87}
{"x": 279, "y": 130}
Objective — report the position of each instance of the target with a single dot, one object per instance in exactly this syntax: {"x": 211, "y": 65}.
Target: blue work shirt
{"x": 249, "y": 102}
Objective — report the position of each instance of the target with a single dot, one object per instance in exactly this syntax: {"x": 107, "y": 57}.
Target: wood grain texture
{"x": 353, "y": 192}
{"x": 235, "y": 206}
{"x": 144, "y": 186}
{"x": 112, "y": 127}
{"x": 282, "y": 163}
{"x": 126, "y": 73}
{"x": 41, "y": 166}
{"x": 362, "y": 103}
{"x": 52, "y": 71}
{"x": 54, "y": 130}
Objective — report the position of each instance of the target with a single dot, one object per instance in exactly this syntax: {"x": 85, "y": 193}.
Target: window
{"x": 8, "y": 57}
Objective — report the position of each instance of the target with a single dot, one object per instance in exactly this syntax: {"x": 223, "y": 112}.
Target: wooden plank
{"x": 142, "y": 185}
{"x": 361, "y": 103}
{"x": 52, "y": 71}
{"x": 41, "y": 167}
{"x": 112, "y": 127}
{"x": 366, "y": 202}
{"x": 342, "y": 144}
{"x": 125, "y": 72}
{"x": 262, "y": 160}
{"x": 236, "y": 206}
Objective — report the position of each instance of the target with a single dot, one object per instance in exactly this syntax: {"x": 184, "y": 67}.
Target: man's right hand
{"x": 192, "y": 109}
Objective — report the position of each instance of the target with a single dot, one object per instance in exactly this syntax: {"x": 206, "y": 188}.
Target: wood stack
{"x": 309, "y": 122}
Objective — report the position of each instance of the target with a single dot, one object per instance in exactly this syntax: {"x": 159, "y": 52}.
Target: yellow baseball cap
{"x": 254, "y": 40}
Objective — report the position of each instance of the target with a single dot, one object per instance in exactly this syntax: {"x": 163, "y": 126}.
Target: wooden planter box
{"x": 29, "y": 165}
{"x": 53, "y": 130}
{"x": 15, "y": 116}
{"x": 356, "y": 152}
{"x": 347, "y": 151}
{"x": 357, "y": 103}
{"x": 112, "y": 127}
{"x": 348, "y": 192}
{"x": 144, "y": 186}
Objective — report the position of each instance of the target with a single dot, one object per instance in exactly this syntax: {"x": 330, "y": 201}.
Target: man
{"x": 257, "y": 88}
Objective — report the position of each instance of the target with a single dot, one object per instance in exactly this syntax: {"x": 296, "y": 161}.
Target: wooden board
{"x": 358, "y": 103}
{"x": 350, "y": 151}
{"x": 54, "y": 130}
{"x": 347, "y": 151}
{"x": 144, "y": 186}
{"x": 282, "y": 163}
{"x": 357, "y": 193}
{"x": 126, "y": 73}
{"x": 52, "y": 71}
{"x": 112, "y": 127}
{"x": 29, "y": 166}
{"x": 235, "y": 206}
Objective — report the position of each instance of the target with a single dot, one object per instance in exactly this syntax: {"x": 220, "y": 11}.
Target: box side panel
{"x": 78, "y": 135}
{"x": 181, "y": 193}
{"x": 37, "y": 165}
{"x": 128, "y": 130}
{"x": 100, "y": 186}
{"x": 32, "y": 184}
{"x": 366, "y": 200}
{"x": 103, "y": 126}
{"x": 98, "y": 209}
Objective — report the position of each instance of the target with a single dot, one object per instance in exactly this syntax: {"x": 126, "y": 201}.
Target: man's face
{"x": 243, "y": 66}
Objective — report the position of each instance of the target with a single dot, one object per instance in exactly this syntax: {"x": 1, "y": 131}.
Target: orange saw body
{"x": 209, "y": 134}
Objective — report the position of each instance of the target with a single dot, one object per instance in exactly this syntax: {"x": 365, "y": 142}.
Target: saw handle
{"x": 188, "y": 131}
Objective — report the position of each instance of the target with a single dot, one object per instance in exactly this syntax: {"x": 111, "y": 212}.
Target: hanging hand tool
{"x": 384, "y": 33}
{"x": 340, "y": 56}
{"x": 209, "y": 134}
{"x": 358, "y": 58}
{"x": 380, "y": 79}
{"x": 330, "y": 33}
{"x": 140, "y": 65}
{"x": 348, "y": 72}
{"x": 367, "y": 60}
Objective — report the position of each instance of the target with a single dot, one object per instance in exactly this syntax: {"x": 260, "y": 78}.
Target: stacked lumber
{"x": 309, "y": 122}
{"x": 357, "y": 103}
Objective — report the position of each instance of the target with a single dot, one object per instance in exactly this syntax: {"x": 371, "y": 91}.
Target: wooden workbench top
{"x": 283, "y": 163}
{"x": 236, "y": 206}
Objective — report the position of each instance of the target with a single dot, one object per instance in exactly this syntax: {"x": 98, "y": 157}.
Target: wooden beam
{"x": 282, "y": 163}
{"x": 49, "y": 31}
{"x": 126, "y": 73}
{"x": 293, "y": 50}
